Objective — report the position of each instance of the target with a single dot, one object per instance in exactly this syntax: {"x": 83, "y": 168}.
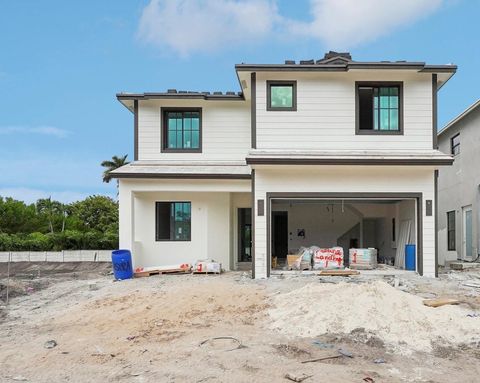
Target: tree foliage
{"x": 115, "y": 163}
{"x": 49, "y": 225}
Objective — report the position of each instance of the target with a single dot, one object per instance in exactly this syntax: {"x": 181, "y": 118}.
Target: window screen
{"x": 173, "y": 221}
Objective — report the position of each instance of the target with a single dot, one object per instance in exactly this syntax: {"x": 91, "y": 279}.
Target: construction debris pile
{"x": 401, "y": 320}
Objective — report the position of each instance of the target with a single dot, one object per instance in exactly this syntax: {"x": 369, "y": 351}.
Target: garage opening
{"x": 381, "y": 230}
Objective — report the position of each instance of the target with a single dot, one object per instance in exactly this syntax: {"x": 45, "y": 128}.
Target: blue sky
{"x": 62, "y": 62}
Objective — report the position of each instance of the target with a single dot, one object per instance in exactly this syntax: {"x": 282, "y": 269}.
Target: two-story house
{"x": 332, "y": 152}
{"x": 459, "y": 188}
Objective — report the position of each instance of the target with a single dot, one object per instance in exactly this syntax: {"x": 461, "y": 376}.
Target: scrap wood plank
{"x": 440, "y": 302}
{"x": 157, "y": 272}
{"x": 343, "y": 273}
{"x": 334, "y": 356}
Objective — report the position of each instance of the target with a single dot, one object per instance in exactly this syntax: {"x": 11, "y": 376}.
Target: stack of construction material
{"x": 329, "y": 258}
{"x": 363, "y": 259}
{"x": 302, "y": 260}
{"x": 207, "y": 266}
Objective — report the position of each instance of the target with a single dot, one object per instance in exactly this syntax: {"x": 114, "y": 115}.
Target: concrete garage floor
{"x": 162, "y": 328}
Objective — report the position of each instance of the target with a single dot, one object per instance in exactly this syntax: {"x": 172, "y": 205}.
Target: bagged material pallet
{"x": 207, "y": 266}
{"x": 365, "y": 259}
{"x": 301, "y": 261}
{"x": 329, "y": 258}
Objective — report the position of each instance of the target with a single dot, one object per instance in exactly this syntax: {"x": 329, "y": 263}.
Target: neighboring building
{"x": 458, "y": 188}
{"x": 328, "y": 152}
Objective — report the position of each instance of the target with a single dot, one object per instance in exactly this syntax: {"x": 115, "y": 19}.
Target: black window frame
{"x": 293, "y": 84}
{"x": 453, "y": 147}
{"x": 451, "y": 232}
{"x": 157, "y": 223}
{"x": 164, "y": 129}
{"x": 379, "y": 84}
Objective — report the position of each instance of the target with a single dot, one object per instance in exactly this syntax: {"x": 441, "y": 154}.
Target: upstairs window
{"x": 182, "y": 130}
{"x": 173, "y": 221}
{"x": 282, "y": 95}
{"x": 455, "y": 144}
{"x": 379, "y": 108}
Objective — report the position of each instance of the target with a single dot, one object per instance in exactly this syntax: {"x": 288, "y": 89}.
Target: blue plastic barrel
{"x": 410, "y": 257}
{"x": 122, "y": 264}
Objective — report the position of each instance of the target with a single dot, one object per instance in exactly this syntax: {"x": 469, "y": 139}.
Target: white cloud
{"x": 32, "y": 195}
{"x": 43, "y": 130}
{"x": 188, "y": 26}
{"x": 342, "y": 24}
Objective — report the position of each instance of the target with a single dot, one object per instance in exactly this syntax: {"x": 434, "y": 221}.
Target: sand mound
{"x": 396, "y": 317}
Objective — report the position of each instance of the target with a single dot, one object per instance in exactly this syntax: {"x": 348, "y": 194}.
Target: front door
{"x": 467, "y": 233}
{"x": 244, "y": 234}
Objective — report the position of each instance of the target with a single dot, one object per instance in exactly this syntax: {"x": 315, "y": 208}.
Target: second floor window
{"x": 181, "y": 130}
{"x": 379, "y": 108}
{"x": 282, "y": 95}
{"x": 455, "y": 143}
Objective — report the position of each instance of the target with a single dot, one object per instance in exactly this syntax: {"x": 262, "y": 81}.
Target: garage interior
{"x": 382, "y": 224}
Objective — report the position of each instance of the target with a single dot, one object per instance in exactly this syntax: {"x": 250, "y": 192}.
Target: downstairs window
{"x": 451, "y": 231}
{"x": 173, "y": 221}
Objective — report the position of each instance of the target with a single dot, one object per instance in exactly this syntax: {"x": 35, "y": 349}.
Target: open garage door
{"x": 386, "y": 223}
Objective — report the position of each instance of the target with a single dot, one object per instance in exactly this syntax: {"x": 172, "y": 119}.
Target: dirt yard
{"x": 208, "y": 328}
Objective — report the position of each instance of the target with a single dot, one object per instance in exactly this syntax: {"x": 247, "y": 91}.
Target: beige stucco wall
{"x": 458, "y": 186}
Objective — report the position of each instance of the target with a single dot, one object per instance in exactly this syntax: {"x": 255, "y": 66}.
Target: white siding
{"x": 335, "y": 179}
{"x": 225, "y": 125}
{"x": 325, "y": 116}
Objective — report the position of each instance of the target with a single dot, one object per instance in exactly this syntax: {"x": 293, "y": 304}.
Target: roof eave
{"x": 187, "y": 96}
{"x": 420, "y": 66}
{"x": 352, "y": 161}
{"x": 212, "y": 176}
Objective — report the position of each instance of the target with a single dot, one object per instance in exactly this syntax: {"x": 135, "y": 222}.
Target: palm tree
{"x": 109, "y": 166}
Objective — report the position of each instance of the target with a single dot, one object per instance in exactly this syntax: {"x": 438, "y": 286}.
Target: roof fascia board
{"x": 349, "y": 161}
{"x": 188, "y": 96}
{"x": 211, "y": 176}
{"x": 420, "y": 66}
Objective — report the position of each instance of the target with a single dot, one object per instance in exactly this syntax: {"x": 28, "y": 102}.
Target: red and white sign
{"x": 329, "y": 258}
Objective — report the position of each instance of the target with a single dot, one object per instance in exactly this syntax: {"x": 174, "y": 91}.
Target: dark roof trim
{"x": 182, "y": 176}
{"x": 348, "y": 161}
{"x": 180, "y": 95}
{"x": 450, "y": 68}
{"x": 420, "y": 66}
